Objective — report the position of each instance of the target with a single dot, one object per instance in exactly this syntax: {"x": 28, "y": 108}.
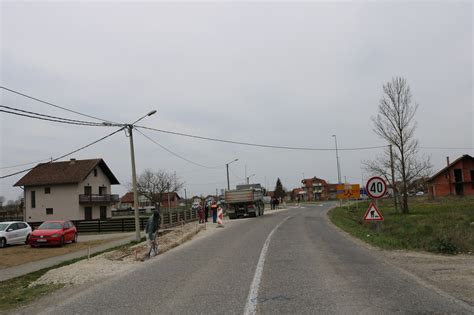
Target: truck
{"x": 245, "y": 200}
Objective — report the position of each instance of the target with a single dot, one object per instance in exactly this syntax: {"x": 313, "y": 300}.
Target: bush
{"x": 444, "y": 245}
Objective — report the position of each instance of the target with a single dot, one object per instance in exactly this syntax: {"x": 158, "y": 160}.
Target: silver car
{"x": 14, "y": 232}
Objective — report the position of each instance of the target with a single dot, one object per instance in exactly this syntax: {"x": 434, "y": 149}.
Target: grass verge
{"x": 17, "y": 292}
{"x": 443, "y": 225}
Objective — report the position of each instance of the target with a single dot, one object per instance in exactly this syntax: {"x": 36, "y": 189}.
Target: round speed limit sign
{"x": 376, "y": 187}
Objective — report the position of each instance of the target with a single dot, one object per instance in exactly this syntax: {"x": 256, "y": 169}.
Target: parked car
{"x": 14, "y": 232}
{"x": 53, "y": 233}
{"x": 420, "y": 193}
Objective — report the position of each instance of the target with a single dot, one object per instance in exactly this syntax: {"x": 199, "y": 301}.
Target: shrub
{"x": 444, "y": 245}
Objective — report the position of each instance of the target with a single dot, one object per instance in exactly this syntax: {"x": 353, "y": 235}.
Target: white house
{"x": 70, "y": 190}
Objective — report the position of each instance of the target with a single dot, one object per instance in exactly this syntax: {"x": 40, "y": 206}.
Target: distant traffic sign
{"x": 376, "y": 187}
{"x": 348, "y": 191}
{"x": 373, "y": 213}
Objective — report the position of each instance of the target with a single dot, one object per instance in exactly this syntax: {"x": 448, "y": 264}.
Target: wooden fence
{"x": 168, "y": 219}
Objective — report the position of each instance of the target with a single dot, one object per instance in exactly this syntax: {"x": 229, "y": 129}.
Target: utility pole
{"x": 185, "y": 198}
{"x": 134, "y": 176}
{"x": 337, "y": 160}
{"x": 134, "y": 184}
{"x": 227, "y": 167}
{"x": 392, "y": 169}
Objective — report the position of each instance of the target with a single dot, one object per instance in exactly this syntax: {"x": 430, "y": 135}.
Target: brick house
{"x": 456, "y": 179}
{"x": 70, "y": 190}
{"x": 144, "y": 203}
{"x": 315, "y": 189}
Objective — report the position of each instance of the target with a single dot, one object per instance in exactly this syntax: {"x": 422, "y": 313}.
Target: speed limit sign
{"x": 376, "y": 187}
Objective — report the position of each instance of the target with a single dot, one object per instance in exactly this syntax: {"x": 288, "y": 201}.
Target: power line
{"x": 444, "y": 148}
{"x": 67, "y": 154}
{"x": 259, "y": 145}
{"x": 54, "y": 105}
{"x": 59, "y": 120}
{"x": 174, "y": 153}
{"x": 74, "y": 121}
{"x": 23, "y": 164}
{"x": 240, "y": 178}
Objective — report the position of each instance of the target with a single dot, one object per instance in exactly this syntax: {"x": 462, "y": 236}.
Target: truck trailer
{"x": 245, "y": 200}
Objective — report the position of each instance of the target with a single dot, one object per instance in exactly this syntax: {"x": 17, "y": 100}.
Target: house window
{"x": 33, "y": 199}
{"x": 95, "y": 172}
{"x": 49, "y": 210}
{"x": 102, "y": 190}
{"x": 87, "y": 190}
{"x": 47, "y": 190}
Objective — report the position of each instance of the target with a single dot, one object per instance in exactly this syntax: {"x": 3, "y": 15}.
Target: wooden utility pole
{"x": 394, "y": 190}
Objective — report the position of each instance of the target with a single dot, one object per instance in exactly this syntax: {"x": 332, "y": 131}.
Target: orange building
{"x": 456, "y": 179}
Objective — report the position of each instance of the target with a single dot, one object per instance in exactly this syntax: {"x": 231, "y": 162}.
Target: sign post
{"x": 376, "y": 188}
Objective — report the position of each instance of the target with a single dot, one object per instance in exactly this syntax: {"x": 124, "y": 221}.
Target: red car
{"x": 53, "y": 233}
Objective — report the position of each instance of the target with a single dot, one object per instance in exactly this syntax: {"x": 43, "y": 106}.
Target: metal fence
{"x": 168, "y": 219}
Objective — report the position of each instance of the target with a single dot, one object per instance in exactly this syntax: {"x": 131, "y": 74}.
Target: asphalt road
{"x": 308, "y": 268}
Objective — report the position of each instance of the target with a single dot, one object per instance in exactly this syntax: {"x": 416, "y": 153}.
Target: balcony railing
{"x": 98, "y": 198}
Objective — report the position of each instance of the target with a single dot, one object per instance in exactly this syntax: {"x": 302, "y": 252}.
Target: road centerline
{"x": 251, "y": 305}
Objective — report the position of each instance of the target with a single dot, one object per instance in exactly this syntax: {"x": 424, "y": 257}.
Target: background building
{"x": 70, "y": 190}
{"x": 456, "y": 179}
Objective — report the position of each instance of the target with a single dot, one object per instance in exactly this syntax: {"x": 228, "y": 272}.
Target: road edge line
{"x": 251, "y": 305}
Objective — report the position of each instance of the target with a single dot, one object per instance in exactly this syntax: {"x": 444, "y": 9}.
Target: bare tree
{"x": 395, "y": 123}
{"x": 2, "y": 201}
{"x": 154, "y": 184}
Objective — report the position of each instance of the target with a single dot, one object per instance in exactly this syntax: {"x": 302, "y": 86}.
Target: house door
{"x": 458, "y": 185}
{"x": 88, "y": 213}
{"x": 103, "y": 212}
{"x": 102, "y": 191}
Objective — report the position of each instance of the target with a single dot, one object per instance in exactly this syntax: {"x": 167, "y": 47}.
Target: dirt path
{"x": 20, "y": 254}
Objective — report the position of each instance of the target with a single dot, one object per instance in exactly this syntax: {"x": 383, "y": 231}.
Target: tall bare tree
{"x": 154, "y": 184}
{"x": 395, "y": 123}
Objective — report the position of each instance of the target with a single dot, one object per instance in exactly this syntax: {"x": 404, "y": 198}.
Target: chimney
{"x": 72, "y": 161}
{"x": 447, "y": 160}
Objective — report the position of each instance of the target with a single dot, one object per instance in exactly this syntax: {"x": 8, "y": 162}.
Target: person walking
{"x": 214, "y": 212}
{"x": 151, "y": 230}
{"x": 201, "y": 214}
{"x": 206, "y": 211}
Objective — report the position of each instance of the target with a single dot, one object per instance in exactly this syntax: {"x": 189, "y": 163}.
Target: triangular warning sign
{"x": 373, "y": 213}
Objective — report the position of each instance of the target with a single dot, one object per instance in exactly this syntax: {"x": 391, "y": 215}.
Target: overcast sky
{"x": 278, "y": 73}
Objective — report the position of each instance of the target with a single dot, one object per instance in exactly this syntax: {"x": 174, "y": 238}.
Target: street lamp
{"x": 227, "y": 168}
{"x": 134, "y": 176}
{"x": 337, "y": 160}
{"x": 248, "y": 177}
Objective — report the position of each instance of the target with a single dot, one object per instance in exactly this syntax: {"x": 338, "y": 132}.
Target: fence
{"x": 169, "y": 219}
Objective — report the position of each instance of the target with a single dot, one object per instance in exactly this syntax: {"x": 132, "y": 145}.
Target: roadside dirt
{"x": 118, "y": 261}
{"x": 16, "y": 255}
{"x": 451, "y": 274}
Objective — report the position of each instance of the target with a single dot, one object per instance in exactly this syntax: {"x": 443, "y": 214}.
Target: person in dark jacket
{"x": 200, "y": 212}
{"x": 206, "y": 211}
{"x": 151, "y": 230}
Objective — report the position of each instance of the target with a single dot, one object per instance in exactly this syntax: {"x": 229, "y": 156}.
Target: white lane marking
{"x": 251, "y": 305}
